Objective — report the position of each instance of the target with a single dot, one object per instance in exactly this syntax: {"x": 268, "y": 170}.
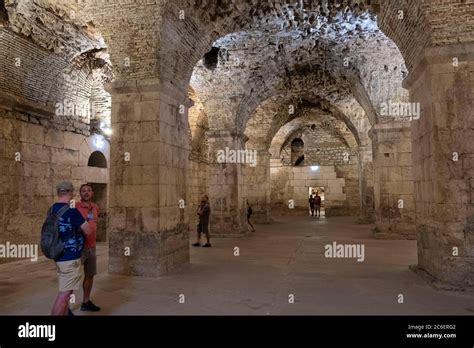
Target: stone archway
{"x": 159, "y": 100}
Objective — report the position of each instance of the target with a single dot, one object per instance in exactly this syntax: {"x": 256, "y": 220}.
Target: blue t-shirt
{"x": 70, "y": 233}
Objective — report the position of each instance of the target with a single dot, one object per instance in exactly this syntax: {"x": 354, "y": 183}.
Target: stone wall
{"x": 426, "y": 23}
{"x": 350, "y": 173}
{"x": 258, "y": 184}
{"x": 227, "y": 188}
{"x": 443, "y": 165}
{"x": 320, "y": 148}
{"x": 393, "y": 181}
{"x": 366, "y": 185}
{"x": 34, "y": 155}
{"x": 41, "y": 76}
{"x": 198, "y": 185}
{"x": 292, "y": 183}
{"x": 149, "y": 164}
{"x": 72, "y": 90}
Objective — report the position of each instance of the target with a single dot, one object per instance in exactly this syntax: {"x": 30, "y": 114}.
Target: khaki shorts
{"x": 89, "y": 260}
{"x": 69, "y": 275}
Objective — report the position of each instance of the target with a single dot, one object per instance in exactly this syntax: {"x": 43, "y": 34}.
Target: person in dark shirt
{"x": 249, "y": 215}
{"x": 317, "y": 204}
{"x": 71, "y": 228}
{"x": 311, "y": 203}
{"x": 204, "y": 211}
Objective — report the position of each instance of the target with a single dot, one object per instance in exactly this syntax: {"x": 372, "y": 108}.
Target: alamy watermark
{"x": 69, "y": 108}
{"x": 20, "y": 251}
{"x": 237, "y": 156}
{"x": 37, "y": 331}
{"x": 335, "y": 250}
{"x": 400, "y": 110}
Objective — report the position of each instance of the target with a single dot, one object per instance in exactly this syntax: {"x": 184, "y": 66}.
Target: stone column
{"x": 443, "y": 162}
{"x": 148, "y": 234}
{"x": 393, "y": 182}
{"x": 259, "y": 187}
{"x": 227, "y": 190}
{"x": 366, "y": 186}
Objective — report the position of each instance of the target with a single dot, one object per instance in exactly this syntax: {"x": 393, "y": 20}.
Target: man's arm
{"x": 86, "y": 228}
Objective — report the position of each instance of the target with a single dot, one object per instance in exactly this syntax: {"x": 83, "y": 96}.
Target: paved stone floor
{"x": 283, "y": 258}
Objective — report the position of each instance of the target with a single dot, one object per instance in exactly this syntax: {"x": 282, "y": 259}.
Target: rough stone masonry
{"x": 138, "y": 97}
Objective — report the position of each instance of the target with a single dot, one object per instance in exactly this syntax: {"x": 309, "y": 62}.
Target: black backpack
{"x": 51, "y": 243}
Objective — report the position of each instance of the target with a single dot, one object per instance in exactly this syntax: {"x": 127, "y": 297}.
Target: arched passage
{"x": 261, "y": 74}
{"x": 203, "y": 24}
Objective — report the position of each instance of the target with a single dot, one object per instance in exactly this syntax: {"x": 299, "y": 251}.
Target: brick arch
{"x": 261, "y": 134}
{"x": 309, "y": 87}
{"x": 180, "y": 61}
{"x": 284, "y": 134}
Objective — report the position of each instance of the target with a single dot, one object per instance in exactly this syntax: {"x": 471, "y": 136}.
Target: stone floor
{"x": 284, "y": 258}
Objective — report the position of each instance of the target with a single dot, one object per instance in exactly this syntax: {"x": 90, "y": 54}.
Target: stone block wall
{"x": 227, "y": 186}
{"x": 320, "y": 148}
{"x": 258, "y": 184}
{"x": 442, "y": 163}
{"x": 34, "y": 156}
{"x": 366, "y": 184}
{"x": 149, "y": 164}
{"x": 292, "y": 183}
{"x": 393, "y": 180}
{"x": 198, "y": 185}
{"x": 350, "y": 173}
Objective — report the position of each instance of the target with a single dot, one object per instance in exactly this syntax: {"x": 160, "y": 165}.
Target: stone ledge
{"x": 14, "y": 103}
{"x": 395, "y": 126}
{"x": 133, "y": 86}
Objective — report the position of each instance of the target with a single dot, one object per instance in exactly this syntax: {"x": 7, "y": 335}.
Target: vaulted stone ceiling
{"x": 211, "y": 20}
{"x": 329, "y": 52}
{"x": 261, "y": 132}
{"x": 332, "y": 50}
{"x": 54, "y": 26}
{"x": 51, "y": 55}
{"x": 57, "y": 27}
{"x": 318, "y": 119}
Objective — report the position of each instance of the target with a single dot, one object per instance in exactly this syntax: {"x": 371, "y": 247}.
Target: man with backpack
{"x": 62, "y": 240}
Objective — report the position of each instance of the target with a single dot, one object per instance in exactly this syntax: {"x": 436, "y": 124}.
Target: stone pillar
{"x": 227, "y": 190}
{"x": 366, "y": 186}
{"x": 393, "y": 182}
{"x": 443, "y": 162}
{"x": 259, "y": 187}
{"x": 148, "y": 234}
